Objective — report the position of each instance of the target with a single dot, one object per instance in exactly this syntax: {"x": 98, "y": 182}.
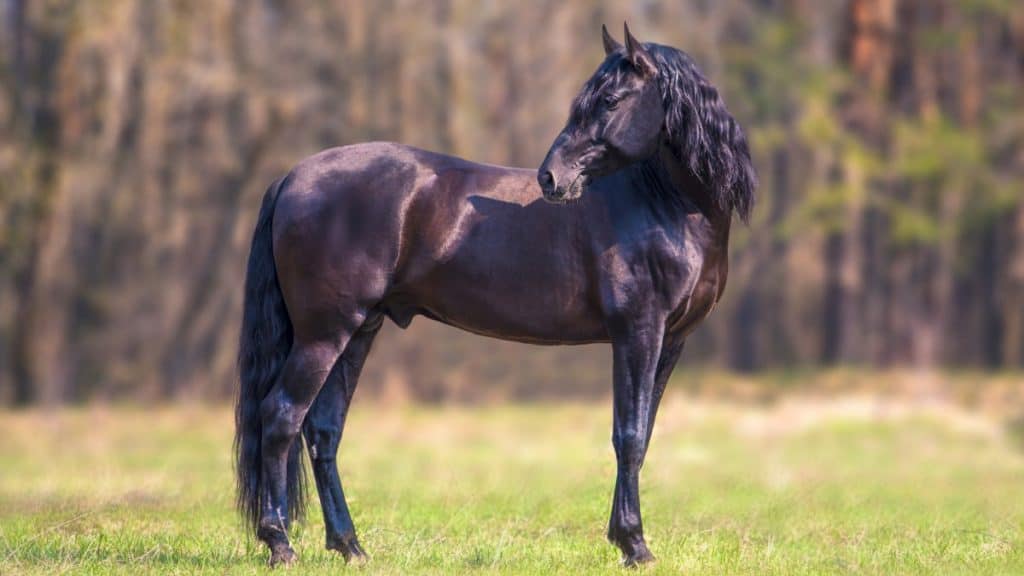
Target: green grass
{"x": 525, "y": 489}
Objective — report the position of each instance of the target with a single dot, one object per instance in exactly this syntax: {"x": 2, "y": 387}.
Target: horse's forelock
{"x": 610, "y": 72}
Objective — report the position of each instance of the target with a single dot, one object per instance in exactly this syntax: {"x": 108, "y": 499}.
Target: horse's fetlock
{"x": 271, "y": 530}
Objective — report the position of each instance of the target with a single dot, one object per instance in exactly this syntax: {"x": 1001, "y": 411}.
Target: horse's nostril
{"x": 546, "y": 180}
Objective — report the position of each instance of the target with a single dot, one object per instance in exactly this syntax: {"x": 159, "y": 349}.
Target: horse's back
{"x": 390, "y": 170}
{"x": 353, "y": 222}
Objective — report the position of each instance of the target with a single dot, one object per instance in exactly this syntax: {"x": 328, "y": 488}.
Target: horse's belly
{"x": 507, "y": 314}
{"x": 515, "y": 329}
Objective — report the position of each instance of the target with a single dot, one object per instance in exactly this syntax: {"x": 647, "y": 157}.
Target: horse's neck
{"x": 685, "y": 183}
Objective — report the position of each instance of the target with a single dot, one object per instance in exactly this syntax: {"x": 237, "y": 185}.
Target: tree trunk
{"x": 39, "y": 333}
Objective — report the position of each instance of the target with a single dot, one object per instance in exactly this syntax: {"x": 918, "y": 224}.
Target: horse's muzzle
{"x": 560, "y": 193}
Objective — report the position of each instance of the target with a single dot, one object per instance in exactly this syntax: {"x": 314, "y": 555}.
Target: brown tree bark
{"x": 39, "y": 327}
{"x": 867, "y": 51}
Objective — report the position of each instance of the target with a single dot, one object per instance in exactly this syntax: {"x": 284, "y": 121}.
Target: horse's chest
{"x": 661, "y": 274}
{"x": 701, "y": 293}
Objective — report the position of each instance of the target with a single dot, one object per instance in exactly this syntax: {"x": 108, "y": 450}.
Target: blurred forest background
{"x": 138, "y": 136}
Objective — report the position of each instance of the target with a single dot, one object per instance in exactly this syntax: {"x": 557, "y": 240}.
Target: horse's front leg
{"x": 641, "y": 368}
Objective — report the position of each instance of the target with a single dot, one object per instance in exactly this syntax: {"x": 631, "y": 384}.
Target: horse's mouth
{"x": 575, "y": 189}
{"x": 568, "y": 193}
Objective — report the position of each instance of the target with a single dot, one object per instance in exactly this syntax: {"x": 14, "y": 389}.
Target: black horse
{"x": 630, "y": 248}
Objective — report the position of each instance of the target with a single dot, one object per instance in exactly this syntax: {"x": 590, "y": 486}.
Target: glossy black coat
{"x": 631, "y": 249}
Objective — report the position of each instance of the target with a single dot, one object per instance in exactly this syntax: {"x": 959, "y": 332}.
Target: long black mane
{"x": 701, "y": 132}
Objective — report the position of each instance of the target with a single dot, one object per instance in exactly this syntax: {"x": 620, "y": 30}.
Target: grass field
{"x": 811, "y": 488}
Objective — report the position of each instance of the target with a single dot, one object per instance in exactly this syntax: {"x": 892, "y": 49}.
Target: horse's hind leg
{"x": 282, "y": 412}
{"x": 323, "y": 428}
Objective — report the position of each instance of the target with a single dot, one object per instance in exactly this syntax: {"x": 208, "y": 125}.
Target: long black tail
{"x": 264, "y": 344}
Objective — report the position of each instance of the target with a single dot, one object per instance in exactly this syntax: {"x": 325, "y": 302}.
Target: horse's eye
{"x": 611, "y": 102}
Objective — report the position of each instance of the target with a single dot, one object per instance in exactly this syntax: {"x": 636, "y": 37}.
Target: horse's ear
{"x": 610, "y": 44}
{"x": 638, "y": 55}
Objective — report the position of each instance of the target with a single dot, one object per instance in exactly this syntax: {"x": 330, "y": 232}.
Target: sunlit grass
{"x": 815, "y": 488}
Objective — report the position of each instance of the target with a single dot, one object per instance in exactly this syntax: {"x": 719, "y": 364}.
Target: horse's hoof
{"x": 635, "y": 553}
{"x": 641, "y": 556}
{"x": 634, "y": 548}
{"x": 349, "y": 548}
{"x": 283, "y": 556}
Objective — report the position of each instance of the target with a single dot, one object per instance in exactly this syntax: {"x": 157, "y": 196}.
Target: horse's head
{"x": 643, "y": 96}
{"x": 617, "y": 119}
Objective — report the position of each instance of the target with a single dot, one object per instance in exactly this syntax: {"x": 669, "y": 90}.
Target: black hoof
{"x": 349, "y": 548}
{"x": 634, "y": 548}
{"x": 638, "y": 557}
{"x": 282, "y": 556}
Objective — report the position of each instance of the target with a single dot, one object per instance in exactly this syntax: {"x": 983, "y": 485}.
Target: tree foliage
{"x": 137, "y": 136}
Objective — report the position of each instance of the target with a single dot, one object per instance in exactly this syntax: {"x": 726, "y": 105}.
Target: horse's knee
{"x": 630, "y": 447}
